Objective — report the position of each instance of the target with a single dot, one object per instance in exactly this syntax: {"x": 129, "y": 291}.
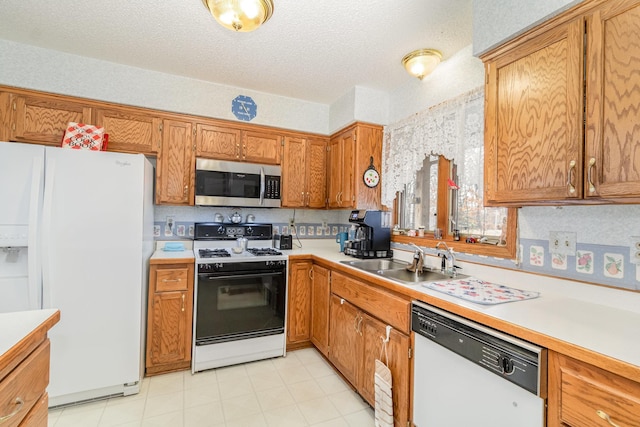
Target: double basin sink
{"x": 397, "y": 271}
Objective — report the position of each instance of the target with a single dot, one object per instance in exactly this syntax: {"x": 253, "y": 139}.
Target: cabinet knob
{"x": 183, "y": 295}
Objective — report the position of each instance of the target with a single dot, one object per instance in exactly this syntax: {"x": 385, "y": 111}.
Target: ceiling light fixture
{"x": 421, "y": 62}
{"x": 240, "y": 15}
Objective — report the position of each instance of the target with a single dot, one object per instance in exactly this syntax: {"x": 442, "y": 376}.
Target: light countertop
{"x": 14, "y": 327}
{"x": 595, "y": 318}
{"x": 161, "y": 255}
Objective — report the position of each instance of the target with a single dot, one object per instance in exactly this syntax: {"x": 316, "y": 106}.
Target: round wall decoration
{"x": 371, "y": 176}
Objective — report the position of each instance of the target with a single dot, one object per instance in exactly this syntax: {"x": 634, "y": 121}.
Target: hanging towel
{"x": 382, "y": 387}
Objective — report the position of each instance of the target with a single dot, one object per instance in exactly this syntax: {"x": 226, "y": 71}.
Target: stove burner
{"x": 214, "y": 253}
{"x": 263, "y": 251}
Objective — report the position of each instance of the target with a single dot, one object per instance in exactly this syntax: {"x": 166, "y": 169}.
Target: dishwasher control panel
{"x": 515, "y": 360}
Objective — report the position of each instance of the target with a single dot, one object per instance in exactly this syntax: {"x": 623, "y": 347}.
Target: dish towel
{"x": 383, "y": 390}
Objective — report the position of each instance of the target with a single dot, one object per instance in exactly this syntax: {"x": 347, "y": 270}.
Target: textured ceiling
{"x": 310, "y": 50}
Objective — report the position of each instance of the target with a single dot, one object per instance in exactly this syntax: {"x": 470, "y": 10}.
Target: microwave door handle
{"x": 262, "y": 185}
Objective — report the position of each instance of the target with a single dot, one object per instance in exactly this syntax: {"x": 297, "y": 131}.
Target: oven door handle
{"x": 239, "y": 276}
{"x": 263, "y": 178}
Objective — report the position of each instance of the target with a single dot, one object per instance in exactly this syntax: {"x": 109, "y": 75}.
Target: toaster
{"x": 283, "y": 242}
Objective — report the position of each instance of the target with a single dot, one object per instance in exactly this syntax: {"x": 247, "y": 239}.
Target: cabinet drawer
{"x": 585, "y": 390}
{"x": 172, "y": 279}
{"x": 27, "y": 383}
{"x": 384, "y": 305}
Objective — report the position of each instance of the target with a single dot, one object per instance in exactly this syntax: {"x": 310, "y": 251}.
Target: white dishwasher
{"x": 466, "y": 374}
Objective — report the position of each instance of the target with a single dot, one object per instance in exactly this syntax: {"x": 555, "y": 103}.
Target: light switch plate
{"x": 562, "y": 242}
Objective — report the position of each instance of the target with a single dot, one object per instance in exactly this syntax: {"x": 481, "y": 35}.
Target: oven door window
{"x": 227, "y": 184}
{"x": 238, "y": 306}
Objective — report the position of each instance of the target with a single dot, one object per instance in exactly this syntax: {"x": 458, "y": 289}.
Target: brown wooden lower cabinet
{"x": 299, "y": 304}
{"x": 355, "y": 342}
{"x": 582, "y": 395}
{"x": 169, "y": 319}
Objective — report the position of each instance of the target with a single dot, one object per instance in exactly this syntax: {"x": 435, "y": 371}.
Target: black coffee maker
{"x": 373, "y": 235}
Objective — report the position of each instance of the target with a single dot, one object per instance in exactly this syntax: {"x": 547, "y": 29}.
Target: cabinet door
{"x": 320, "y": 293}
{"x": 374, "y": 332}
{"x": 533, "y": 119}
{"x": 130, "y": 131}
{"x": 261, "y": 147}
{"x": 293, "y": 172}
{"x": 316, "y": 173}
{"x": 299, "y": 306}
{"x": 217, "y": 142}
{"x": 334, "y": 175}
{"x": 341, "y": 170}
{"x": 344, "y": 341}
{"x": 5, "y": 116}
{"x": 347, "y": 197}
{"x": 43, "y": 120}
{"x": 168, "y": 341}
{"x": 175, "y": 167}
{"x": 612, "y": 158}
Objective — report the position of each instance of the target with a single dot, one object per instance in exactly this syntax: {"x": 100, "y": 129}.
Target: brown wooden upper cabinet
{"x": 130, "y": 131}
{"x": 351, "y": 152}
{"x": 43, "y": 119}
{"x": 548, "y": 140}
{"x": 228, "y": 143}
{"x": 304, "y": 166}
{"x": 175, "y": 168}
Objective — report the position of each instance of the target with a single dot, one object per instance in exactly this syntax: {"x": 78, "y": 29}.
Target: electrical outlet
{"x": 634, "y": 250}
{"x": 562, "y": 242}
{"x": 324, "y": 224}
{"x": 292, "y": 222}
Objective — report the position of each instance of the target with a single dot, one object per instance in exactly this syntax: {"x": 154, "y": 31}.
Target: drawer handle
{"x": 183, "y": 295}
{"x": 171, "y": 280}
{"x": 19, "y": 403}
{"x": 606, "y": 417}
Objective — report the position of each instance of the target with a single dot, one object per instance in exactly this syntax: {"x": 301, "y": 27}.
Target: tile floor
{"x": 300, "y": 389}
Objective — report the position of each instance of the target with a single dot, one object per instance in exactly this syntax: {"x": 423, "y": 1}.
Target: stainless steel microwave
{"x": 222, "y": 183}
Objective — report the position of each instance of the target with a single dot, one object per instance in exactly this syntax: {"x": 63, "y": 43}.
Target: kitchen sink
{"x": 397, "y": 271}
{"x": 409, "y": 277}
{"x": 382, "y": 264}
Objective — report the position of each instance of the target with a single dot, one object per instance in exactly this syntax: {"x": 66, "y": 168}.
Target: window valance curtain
{"x": 444, "y": 129}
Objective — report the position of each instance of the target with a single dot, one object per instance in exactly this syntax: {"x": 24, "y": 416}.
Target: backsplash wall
{"x": 603, "y": 244}
{"x": 310, "y": 223}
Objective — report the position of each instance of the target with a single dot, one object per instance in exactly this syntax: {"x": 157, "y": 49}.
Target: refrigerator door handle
{"x": 47, "y": 208}
{"x": 33, "y": 255}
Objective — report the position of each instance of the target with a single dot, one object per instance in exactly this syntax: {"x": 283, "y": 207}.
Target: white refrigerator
{"x": 76, "y": 234}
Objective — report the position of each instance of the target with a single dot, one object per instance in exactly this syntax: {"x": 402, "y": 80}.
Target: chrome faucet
{"x": 448, "y": 257}
{"x": 418, "y": 260}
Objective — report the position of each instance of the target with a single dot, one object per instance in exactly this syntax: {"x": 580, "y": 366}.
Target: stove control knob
{"x": 221, "y": 230}
{"x": 249, "y": 230}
